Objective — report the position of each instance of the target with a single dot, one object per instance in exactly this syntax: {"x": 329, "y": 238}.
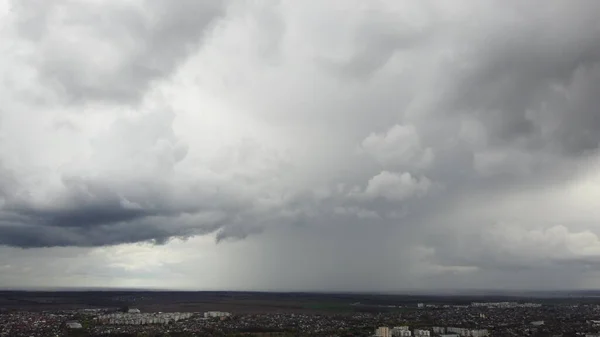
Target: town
{"x": 422, "y": 320}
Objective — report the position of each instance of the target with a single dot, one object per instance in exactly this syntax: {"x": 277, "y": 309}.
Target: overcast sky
{"x": 343, "y": 145}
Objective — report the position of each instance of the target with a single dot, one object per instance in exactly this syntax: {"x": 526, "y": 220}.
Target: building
{"x": 215, "y": 314}
{"x": 420, "y": 305}
{"x": 479, "y": 333}
{"x": 459, "y": 331}
{"x": 383, "y": 331}
{"x": 422, "y": 333}
{"x": 142, "y": 318}
{"x": 73, "y": 325}
{"x": 133, "y": 311}
{"x": 438, "y": 330}
{"x": 401, "y": 331}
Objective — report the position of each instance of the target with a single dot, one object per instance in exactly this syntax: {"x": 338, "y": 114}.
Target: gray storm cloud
{"x": 110, "y": 52}
{"x": 147, "y": 121}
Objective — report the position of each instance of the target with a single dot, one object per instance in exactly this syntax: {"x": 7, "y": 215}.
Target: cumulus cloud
{"x": 396, "y": 186}
{"x": 509, "y": 246}
{"x": 462, "y": 138}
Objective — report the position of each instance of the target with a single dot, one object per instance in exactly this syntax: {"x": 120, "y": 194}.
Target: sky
{"x": 340, "y": 145}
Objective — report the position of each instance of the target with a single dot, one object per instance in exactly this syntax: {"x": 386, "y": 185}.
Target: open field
{"x": 251, "y": 302}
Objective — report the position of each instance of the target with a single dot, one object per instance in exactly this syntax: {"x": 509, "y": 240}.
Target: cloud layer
{"x": 429, "y": 142}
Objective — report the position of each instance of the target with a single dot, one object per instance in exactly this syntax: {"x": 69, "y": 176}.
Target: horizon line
{"x": 406, "y": 292}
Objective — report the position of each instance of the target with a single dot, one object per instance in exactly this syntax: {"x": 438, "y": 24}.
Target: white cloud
{"x": 397, "y": 186}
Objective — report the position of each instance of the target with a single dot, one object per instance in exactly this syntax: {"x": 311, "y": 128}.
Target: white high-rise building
{"x": 438, "y": 330}
{"x": 422, "y": 333}
{"x": 401, "y": 331}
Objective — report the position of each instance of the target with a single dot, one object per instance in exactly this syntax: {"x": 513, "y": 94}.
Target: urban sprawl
{"x": 421, "y": 320}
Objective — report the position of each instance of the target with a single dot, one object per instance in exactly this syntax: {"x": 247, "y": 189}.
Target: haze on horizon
{"x": 310, "y": 145}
